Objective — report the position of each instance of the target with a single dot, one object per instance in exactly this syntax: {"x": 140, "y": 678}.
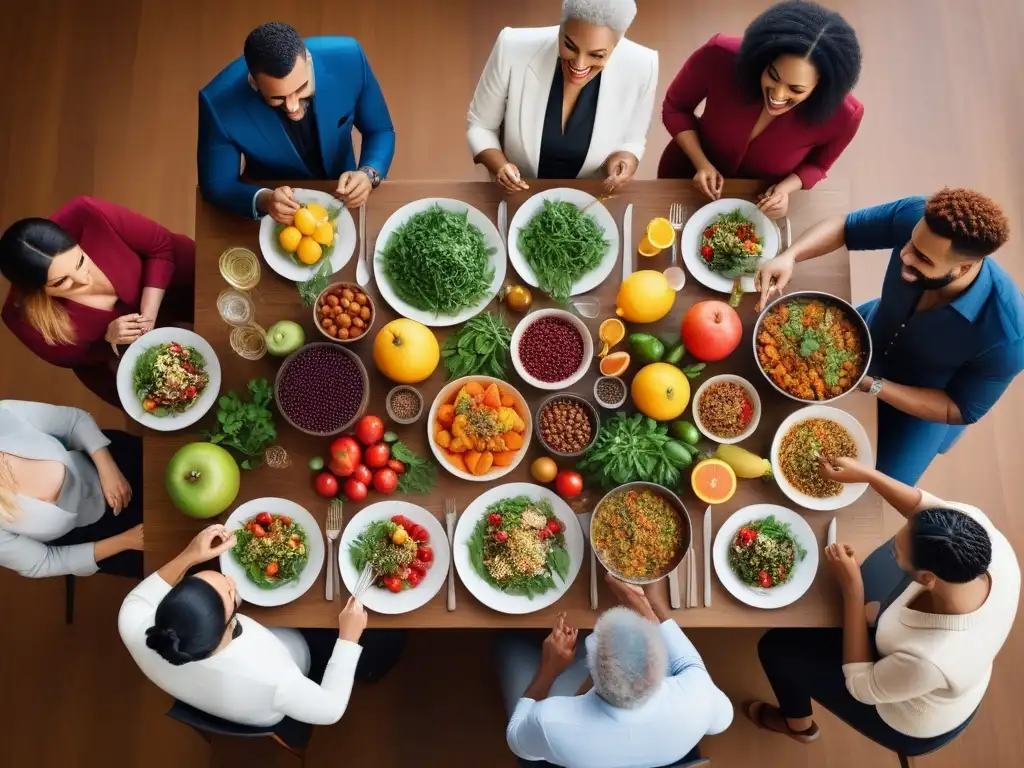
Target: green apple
{"x": 202, "y": 480}
{"x": 284, "y": 337}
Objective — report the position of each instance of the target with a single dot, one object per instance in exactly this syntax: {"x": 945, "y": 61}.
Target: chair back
{"x": 207, "y": 723}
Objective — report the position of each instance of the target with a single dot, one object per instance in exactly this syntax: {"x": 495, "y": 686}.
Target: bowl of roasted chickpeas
{"x": 344, "y": 313}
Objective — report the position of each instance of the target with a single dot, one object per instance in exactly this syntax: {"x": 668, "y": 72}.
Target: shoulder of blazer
{"x": 635, "y": 57}
{"x": 520, "y": 44}
{"x": 337, "y": 51}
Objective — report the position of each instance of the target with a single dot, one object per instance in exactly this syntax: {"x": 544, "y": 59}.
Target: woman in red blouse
{"x": 777, "y": 104}
{"x": 91, "y": 277}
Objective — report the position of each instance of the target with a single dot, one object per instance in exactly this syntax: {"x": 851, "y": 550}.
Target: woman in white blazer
{"x": 572, "y": 101}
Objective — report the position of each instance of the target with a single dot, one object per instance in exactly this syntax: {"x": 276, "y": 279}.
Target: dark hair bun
{"x": 165, "y": 641}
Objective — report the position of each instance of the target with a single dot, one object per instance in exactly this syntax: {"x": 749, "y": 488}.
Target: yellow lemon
{"x": 660, "y": 233}
{"x": 304, "y": 221}
{"x": 318, "y": 211}
{"x": 289, "y": 239}
{"x": 644, "y": 297}
{"x": 309, "y": 251}
{"x": 324, "y": 233}
{"x": 661, "y": 391}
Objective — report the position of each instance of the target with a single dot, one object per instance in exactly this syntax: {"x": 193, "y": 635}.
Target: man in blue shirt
{"x": 948, "y": 329}
{"x": 286, "y": 110}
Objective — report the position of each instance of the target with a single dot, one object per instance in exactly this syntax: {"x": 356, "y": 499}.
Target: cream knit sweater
{"x": 934, "y": 669}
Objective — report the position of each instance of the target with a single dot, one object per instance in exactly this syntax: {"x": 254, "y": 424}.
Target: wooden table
{"x": 168, "y": 531}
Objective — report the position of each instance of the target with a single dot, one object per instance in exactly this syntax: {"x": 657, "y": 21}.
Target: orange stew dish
{"x": 479, "y": 428}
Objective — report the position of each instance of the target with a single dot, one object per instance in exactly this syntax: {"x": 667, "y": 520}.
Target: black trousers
{"x": 804, "y": 664}
{"x": 127, "y": 453}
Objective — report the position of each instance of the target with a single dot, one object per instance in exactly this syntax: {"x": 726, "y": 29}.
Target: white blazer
{"x": 514, "y": 87}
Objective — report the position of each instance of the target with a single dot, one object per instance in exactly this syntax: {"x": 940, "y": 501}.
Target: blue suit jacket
{"x": 234, "y": 120}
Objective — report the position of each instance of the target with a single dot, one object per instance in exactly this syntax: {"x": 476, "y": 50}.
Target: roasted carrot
{"x": 446, "y": 414}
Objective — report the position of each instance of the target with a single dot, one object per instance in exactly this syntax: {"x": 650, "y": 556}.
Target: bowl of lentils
{"x": 322, "y": 389}
{"x": 726, "y": 409}
{"x": 566, "y": 424}
{"x": 551, "y": 349}
{"x": 404, "y": 404}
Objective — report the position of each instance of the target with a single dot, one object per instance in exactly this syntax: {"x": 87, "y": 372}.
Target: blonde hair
{"x": 9, "y": 507}
{"x": 48, "y": 317}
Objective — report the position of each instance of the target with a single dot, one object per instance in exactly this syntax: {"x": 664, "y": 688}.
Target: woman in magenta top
{"x": 777, "y": 104}
{"x": 91, "y": 277}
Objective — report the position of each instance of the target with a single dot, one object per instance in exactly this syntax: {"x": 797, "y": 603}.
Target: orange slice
{"x": 611, "y": 332}
{"x": 646, "y": 249}
{"x": 615, "y": 364}
{"x": 660, "y": 233}
{"x": 713, "y": 481}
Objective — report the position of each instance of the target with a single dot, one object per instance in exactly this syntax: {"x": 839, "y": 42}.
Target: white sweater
{"x": 935, "y": 668}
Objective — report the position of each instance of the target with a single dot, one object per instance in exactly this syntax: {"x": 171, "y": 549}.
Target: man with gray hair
{"x": 647, "y": 702}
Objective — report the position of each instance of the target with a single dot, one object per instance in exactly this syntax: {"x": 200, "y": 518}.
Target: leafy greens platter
{"x": 520, "y": 507}
{"x": 439, "y": 261}
{"x": 693, "y": 237}
{"x": 547, "y": 241}
{"x": 341, "y": 251}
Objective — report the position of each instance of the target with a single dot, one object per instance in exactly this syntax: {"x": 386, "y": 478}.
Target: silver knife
{"x": 503, "y": 222}
{"x": 831, "y": 532}
{"x": 627, "y": 242}
{"x": 707, "y": 557}
{"x": 673, "y": 588}
{"x": 362, "y": 268}
{"x": 585, "y": 518}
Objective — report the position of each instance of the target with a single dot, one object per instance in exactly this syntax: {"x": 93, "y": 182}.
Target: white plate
{"x": 447, "y": 392}
{"x": 126, "y": 375}
{"x": 478, "y": 220}
{"x": 533, "y": 205}
{"x": 803, "y": 572}
{"x": 755, "y": 401}
{"x": 314, "y": 541}
{"x": 344, "y": 239}
{"x": 381, "y": 600}
{"x": 475, "y": 583}
{"x": 702, "y": 219}
{"x": 851, "y": 491}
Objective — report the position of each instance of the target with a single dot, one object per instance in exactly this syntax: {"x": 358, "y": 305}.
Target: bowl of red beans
{"x": 551, "y": 349}
{"x": 322, "y": 389}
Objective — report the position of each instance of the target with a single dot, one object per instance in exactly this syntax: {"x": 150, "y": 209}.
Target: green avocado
{"x": 645, "y": 348}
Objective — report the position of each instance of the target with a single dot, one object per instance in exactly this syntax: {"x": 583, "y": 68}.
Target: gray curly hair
{"x": 617, "y": 15}
{"x": 627, "y": 658}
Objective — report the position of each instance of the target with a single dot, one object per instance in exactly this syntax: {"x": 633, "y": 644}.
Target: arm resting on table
{"x": 36, "y": 560}
{"x": 75, "y": 428}
{"x": 373, "y": 121}
{"x": 220, "y": 164}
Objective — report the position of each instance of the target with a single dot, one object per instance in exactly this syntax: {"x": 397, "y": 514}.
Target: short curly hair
{"x": 975, "y": 223}
{"x": 272, "y": 49}
{"x": 803, "y": 29}
{"x": 617, "y": 15}
{"x": 950, "y": 544}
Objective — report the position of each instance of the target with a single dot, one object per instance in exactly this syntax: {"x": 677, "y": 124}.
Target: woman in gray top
{"x": 66, "y": 505}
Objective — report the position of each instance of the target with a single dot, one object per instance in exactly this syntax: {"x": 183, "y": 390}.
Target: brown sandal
{"x": 770, "y": 718}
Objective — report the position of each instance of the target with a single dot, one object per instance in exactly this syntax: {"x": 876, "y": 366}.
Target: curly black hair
{"x": 803, "y": 29}
{"x": 950, "y": 544}
{"x": 975, "y": 223}
{"x": 272, "y": 49}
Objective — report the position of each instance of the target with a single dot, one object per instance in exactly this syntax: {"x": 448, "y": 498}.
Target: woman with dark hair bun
{"x": 777, "y": 104}
{"x": 916, "y": 681}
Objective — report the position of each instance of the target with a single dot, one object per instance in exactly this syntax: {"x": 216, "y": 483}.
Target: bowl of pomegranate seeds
{"x": 322, "y": 389}
{"x": 552, "y": 349}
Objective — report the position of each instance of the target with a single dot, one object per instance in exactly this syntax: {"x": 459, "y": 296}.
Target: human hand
{"x": 621, "y": 168}
{"x": 126, "y": 329}
{"x": 282, "y": 206}
{"x": 354, "y": 188}
{"x": 709, "y": 181}
{"x": 132, "y": 539}
{"x": 773, "y": 203}
{"x": 559, "y": 647}
{"x": 842, "y": 469}
{"x": 629, "y": 595}
{"x": 116, "y": 490}
{"x": 352, "y": 621}
{"x": 839, "y": 559}
{"x": 772, "y": 277}
{"x": 210, "y": 543}
{"x": 508, "y": 178}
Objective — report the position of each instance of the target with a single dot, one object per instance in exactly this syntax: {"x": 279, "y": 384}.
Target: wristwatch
{"x": 375, "y": 178}
{"x": 876, "y": 386}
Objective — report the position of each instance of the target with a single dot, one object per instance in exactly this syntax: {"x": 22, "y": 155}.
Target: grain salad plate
{"x": 690, "y": 242}
{"x": 314, "y": 540}
{"x": 344, "y": 239}
{"x": 475, "y": 218}
{"x": 480, "y": 587}
{"x": 839, "y": 495}
{"x": 803, "y": 572}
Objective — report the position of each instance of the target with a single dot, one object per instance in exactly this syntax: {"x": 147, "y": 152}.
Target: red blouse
{"x": 134, "y": 253}
{"x": 788, "y": 145}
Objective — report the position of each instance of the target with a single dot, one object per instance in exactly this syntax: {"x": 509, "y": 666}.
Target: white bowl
{"x": 522, "y": 408}
{"x": 314, "y": 541}
{"x": 344, "y": 239}
{"x": 481, "y": 589}
{"x": 381, "y": 600}
{"x": 804, "y": 570}
{"x": 851, "y": 491}
{"x": 561, "y": 314}
{"x": 755, "y": 401}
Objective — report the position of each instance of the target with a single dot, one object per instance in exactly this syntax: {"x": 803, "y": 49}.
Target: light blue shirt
{"x": 587, "y": 732}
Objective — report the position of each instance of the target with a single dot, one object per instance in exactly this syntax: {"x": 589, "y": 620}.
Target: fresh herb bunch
{"x": 561, "y": 244}
{"x": 375, "y": 547}
{"x": 479, "y": 348}
{"x": 438, "y": 262}
{"x": 420, "y": 474}
{"x": 310, "y": 290}
{"x": 246, "y": 427}
{"x": 632, "y": 448}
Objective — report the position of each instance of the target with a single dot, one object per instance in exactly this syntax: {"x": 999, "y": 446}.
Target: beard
{"x": 928, "y": 283}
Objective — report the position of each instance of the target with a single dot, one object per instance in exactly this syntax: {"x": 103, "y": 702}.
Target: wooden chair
{"x": 290, "y": 734}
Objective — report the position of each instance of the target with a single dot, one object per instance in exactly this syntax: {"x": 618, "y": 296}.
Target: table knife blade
{"x": 832, "y": 532}
{"x": 627, "y": 242}
{"x": 707, "y": 557}
{"x": 503, "y": 222}
{"x": 585, "y": 518}
{"x": 673, "y": 589}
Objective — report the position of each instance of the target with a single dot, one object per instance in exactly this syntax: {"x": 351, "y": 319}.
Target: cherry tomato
{"x": 257, "y": 531}
{"x": 568, "y": 484}
{"x": 543, "y": 533}
{"x": 400, "y": 520}
{"x": 285, "y": 520}
{"x": 501, "y": 537}
{"x": 176, "y": 348}
{"x": 264, "y": 519}
{"x": 420, "y": 535}
{"x": 272, "y": 569}
{"x": 345, "y": 456}
{"x": 369, "y": 430}
{"x": 764, "y": 579}
{"x": 493, "y": 519}
{"x": 149, "y": 405}
{"x": 554, "y": 526}
{"x": 191, "y": 392}
{"x": 363, "y": 474}
{"x": 397, "y": 466}
{"x": 418, "y": 566}
{"x": 326, "y": 485}
{"x": 385, "y": 480}
{"x": 414, "y": 577}
{"x": 377, "y": 455}
{"x": 393, "y": 583}
{"x": 354, "y": 490}
{"x": 425, "y": 554}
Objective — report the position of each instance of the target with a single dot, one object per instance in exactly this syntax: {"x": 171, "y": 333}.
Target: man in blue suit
{"x": 285, "y": 110}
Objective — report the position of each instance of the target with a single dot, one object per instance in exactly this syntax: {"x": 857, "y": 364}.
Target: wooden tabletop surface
{"x": 168, "y": 531}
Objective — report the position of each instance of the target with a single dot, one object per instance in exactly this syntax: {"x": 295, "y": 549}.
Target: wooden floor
{"x": 100, "y": 98}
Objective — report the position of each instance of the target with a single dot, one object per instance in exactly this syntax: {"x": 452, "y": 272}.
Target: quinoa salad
{"x": 169, "y": 378}
{"x": 764, "y": 552}
{"x": 799, "y": 451}
{"x": 637, "y": 533}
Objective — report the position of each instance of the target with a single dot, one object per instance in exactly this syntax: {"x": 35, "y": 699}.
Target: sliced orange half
{"x": 615, "y": 364}
{"x": 660, "y": 233}
{"x": 646, "y": 249}
{"x": 713, "y": 481}
{"x": 611, "y": 332}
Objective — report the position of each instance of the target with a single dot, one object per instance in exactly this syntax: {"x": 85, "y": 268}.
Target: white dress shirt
{"x": 588, "y": 732}
{"x": 254, "y": 680}
{"x": 513, "y": 93}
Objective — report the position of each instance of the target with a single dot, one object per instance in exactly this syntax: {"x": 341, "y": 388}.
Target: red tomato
{"x": 191, "y": 392}
{"x": 764, "y": 579}
{"x": 554, "y": 526}
{"x": 354, "y": 490}
{"x": 397, "y": 466}
{"x": 414, "y": 577}
{"x": 420, "y": 535}
{"x": 543, "y": 533}
{"x": 568, "y": 484}
{"x": 326, "y": 485}
{"x": 393, "y": 583}
{"x": 493, "y": 519}
{"x": 400, "y": 520}
{"x": 257, "y": 531}
{"x": 385, "y": 480}
{"x": 149, "y": 405}
{"x": 418, "y": 566}
{"x": 264, "y": 519}
{"x": 176, "y": 348}
{"x": 369, "y": 430}
{"x": 501, "y": 537}
{"x": 285, "y": 520}
{"x": 425, "y": 554}
{"x": 377, "y": 455}
{"x": 345, "y": 456}
{"x": 272, "y": 569}
{"x": 363, "y": 474}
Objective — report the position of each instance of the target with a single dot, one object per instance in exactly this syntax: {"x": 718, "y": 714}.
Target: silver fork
{"x": 676, "y": 217}
{"x": 450, "y": 516}
{"x": 333, "y": 526}
{"x": 364, "y": 582}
